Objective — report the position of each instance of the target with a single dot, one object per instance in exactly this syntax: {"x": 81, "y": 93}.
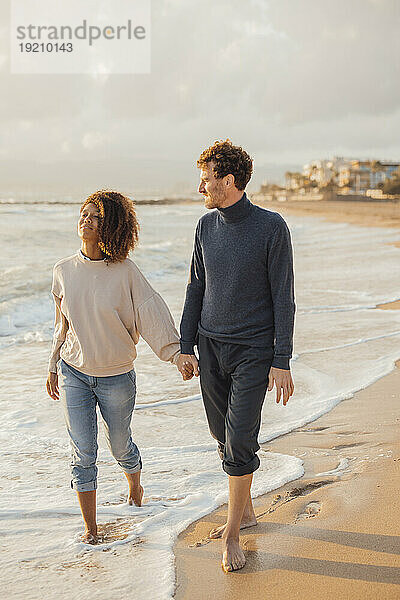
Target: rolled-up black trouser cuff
{"x": 239, "y": 470}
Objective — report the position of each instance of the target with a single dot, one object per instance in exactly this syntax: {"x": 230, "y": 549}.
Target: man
{"x": 239, "y": 311}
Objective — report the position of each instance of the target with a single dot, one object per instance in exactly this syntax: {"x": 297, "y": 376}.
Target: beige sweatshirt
{"x": 101, "y": 310}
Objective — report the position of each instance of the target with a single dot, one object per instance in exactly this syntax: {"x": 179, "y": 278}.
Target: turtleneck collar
{"x": 236, "y": 212}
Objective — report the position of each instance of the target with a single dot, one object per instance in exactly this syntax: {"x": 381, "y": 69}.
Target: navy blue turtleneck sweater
{"x": 241, "y": 287}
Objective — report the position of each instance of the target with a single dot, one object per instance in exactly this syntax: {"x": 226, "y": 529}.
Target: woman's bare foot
{"x": 218, "y": 532}
{"x": 89, "y": 538}
{"x": 233, "y": 558}
{"x": 87, "y": 502}
{"x": 135, "y": 496}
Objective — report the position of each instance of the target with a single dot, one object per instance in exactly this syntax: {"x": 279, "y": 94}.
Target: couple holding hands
{"x": 239, "y": 312}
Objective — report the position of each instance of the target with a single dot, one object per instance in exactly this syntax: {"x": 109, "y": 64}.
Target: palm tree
{"x": 376, "y": 167}
{"x": 392, "y": 185}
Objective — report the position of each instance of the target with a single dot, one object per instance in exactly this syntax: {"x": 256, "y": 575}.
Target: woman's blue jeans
{"x": 115, "y": 395}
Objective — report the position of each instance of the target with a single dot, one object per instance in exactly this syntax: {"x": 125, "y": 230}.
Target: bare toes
{"x": 216, "y": 532}
{"x": 226, "y": 567}
{"x": 89, "y": 538}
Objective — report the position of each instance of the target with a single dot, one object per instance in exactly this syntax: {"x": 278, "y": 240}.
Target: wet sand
{"x": 390, "y": 305}
{"x": 334, "y": 533}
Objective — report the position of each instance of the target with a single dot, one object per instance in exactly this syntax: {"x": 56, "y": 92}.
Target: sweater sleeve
{"x": 281, "y": 278}
{"x": 60, "y": 331}
{"x": 156, "y": 325}
{"x": 194, "y": 298}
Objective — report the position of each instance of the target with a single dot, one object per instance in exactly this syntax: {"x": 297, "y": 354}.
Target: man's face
{"x": 213, "y": 189}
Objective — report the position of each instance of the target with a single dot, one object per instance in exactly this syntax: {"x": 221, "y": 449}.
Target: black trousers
{"x": 234, "y": 381}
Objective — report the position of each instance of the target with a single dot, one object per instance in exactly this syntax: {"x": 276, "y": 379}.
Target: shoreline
{"x": 390, "y": 305}
{"x": 144, "y": 202}
{"x": 324, "y": 535}
{"x": 365, "y": 214}
{"x": 385, "y": 213}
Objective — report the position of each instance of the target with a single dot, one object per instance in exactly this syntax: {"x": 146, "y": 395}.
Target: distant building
{"x": 357, "y": 176}
{"x": 296, "y": 181}
{"x": 352, "y": 176}
{"x": 323, "y": 172}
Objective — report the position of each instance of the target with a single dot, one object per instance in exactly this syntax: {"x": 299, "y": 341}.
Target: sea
{"x": 342, "y": 344}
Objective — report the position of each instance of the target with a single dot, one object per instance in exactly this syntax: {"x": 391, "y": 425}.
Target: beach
{"x": 369, "y": 213}
{"x": 334, "y": 532}
{"x": 343, "y": 343}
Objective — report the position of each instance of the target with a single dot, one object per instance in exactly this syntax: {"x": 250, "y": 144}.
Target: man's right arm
{"x": 194, "y": 298}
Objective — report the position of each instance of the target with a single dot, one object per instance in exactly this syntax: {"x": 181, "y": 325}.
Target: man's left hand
{"x": 187, "y": 365}
{"x": 283, "y": 382}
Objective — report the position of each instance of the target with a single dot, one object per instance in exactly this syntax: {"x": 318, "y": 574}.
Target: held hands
{"x": 283, "y": 383}
{"x": 52, "y": 386}
{"x": 188, "y": 366}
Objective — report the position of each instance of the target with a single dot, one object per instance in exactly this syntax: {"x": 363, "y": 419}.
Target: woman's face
{"x": 88, "y": 223}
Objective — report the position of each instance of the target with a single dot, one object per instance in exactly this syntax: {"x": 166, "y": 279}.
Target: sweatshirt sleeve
{"x": 156, "y": 325}
{"x": 60, "y": 331}
{"x": 194, "y": 298}
{"x": 281, "y": 278}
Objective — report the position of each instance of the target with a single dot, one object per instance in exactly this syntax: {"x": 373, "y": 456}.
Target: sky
{"x": 289, "y": 80}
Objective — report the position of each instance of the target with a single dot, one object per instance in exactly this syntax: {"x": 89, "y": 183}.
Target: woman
{"x": 103, "y": 303}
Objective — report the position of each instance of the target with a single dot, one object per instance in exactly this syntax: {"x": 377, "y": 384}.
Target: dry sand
{"x": 390, "y": 305}
{"x": 322, "y": 536}
{"x": 327, "y": 535}
{"x": 370, "y": 214}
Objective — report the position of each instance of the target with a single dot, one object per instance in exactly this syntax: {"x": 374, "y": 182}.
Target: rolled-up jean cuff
{"x": 134, "y": 469}
{"x": 238, "y": 471}
{"x": 90, "y": 486}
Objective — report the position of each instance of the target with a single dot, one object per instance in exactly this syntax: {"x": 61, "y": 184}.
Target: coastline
{"x": 366, "y": 214}
{"x": 334, "y": 532}
{"x": 140, "y": 202}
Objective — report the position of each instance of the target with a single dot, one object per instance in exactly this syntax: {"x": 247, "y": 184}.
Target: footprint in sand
{"x": 123, "y": 499}
{"x": 115, "y": 531}
{"x": 312, "y": 509}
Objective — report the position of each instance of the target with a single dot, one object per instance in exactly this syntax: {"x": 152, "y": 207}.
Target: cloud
{"x": 93, "y": 139}
{"x": 288, "y": 80}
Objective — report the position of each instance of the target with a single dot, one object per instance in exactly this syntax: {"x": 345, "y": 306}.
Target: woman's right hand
{"x": 52, "y": 386}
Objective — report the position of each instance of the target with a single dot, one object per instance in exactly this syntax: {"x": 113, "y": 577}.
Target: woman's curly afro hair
{"x": 228, "y": 159}
{"x": 118, "y": 226}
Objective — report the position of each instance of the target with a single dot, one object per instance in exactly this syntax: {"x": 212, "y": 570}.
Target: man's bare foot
{"x": 232, "y": 558}
{"x": 136, "y": 496}
{"x": 218, "y": 532}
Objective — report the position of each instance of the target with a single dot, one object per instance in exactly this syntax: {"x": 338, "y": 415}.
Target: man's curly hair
{"x": 118, "y": 226}
{"x": 228, "y": 160}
